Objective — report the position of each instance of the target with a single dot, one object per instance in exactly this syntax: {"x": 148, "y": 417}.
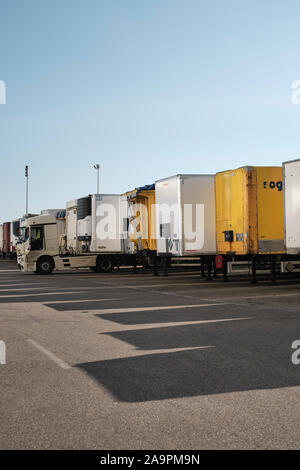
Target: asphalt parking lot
{"x": 129, "y": 361}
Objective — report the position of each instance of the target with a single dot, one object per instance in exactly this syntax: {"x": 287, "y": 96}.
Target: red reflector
{"x": 219, "y": 261}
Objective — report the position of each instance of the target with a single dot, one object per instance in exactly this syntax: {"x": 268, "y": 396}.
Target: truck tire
{"x": 45, "y": 265}
{"x": 105, "y": 264}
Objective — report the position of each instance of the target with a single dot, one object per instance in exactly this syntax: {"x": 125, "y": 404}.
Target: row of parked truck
{"x": 8, "y": 239}
{"x": 247, "y": 216}
{"x": 11, "y": 234}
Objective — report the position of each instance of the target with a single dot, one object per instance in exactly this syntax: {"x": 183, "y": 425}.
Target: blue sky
{"x": 147, "y": 88}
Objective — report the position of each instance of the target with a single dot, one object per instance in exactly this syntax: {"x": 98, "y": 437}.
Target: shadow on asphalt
{"x": 234, "y": 356}
{"x": 213, "y": 312}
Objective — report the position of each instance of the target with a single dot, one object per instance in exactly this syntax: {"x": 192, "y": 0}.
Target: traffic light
{"x": 26, "y": 171}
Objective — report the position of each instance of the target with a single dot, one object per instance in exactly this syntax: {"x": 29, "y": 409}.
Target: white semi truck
{"x": 92, "y": 234}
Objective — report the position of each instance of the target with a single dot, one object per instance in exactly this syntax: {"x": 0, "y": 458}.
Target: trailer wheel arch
{"x": 45, "y": 265}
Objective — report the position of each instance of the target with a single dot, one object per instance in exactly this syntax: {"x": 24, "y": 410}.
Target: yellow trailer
{"x": 249, "y": 211}
{"x": 141, "y": 209}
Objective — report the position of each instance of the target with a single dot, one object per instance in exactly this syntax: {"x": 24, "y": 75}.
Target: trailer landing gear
{"x": 273, "y": 270}
{"x": 155, "y": 271}
{"x": 253, "y": 266}
{"x": 166, "y": 266}
{"x": 225, "y": 270}
{"x": 202, "y": 267}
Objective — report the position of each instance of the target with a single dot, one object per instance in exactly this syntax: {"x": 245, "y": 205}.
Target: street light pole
{"x": 26, "y": 176}
{"x": 97, "y": 168}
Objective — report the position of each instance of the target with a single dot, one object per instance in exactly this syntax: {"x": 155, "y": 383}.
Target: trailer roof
{"x": 248, "y": 166}
{"x": 184, "y": 174}
{"x": 147, "y": 187}
{"x": 291, "y": 161}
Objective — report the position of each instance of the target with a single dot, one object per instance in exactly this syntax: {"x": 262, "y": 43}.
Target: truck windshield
{"x": 24, "y": 235}
{"x": 36, "y": 238}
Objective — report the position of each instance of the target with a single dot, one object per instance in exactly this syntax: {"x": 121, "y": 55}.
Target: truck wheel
{"x": 105, "y": 264}
{"x": 45, "y": 265}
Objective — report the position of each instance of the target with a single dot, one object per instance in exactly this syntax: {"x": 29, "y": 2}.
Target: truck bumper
{"x": 24, "y": 265}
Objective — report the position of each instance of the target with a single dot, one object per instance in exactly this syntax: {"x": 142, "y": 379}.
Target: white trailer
{"x": 185, "y": 215}
{"x": 103, "y": 230}
{"x": 291, "y": 198}
{"x": 96, "y": 223}
{"x": 1, "y": 239}
{"x": 14, "y": 236}
{"x": 72, "y": 245}
{"x": 109, "y": 231}
{"x": 51, "y": 211}
{"x": 84, "y": 222}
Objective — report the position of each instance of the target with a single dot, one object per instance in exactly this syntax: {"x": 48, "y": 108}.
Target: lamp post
{"x": 97, "y": 168}
{"x": 26, "y": 176}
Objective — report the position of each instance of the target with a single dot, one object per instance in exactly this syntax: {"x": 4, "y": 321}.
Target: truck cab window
{"x": 36, "y": 238}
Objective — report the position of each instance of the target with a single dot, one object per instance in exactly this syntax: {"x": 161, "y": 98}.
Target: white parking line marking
{"x": 176, "y": 295}
{"x": 17, "y": 284}
{"x": 146, "y": 286}
{"x": 164, "y": 307}
{"x": 100, "y": 286}
{"x": 45, "y": 288}
{"x": 19, "y": 289}
{"x": 9, "y": 270}
{"x": 257, "y": 296}
{"x": 49, "y": 354}
{"x": 150, "y": 326}
{"x": 271, "y": 295}
{"x": 171, "y": 350}
{"x": 11, "y": 279}
{"x": 11, "y": 296}
{"x": 78, "y": 301}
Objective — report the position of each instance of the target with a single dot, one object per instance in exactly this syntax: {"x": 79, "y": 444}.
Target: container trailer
{"x": 1, "y": 239}
{"x": 84, "y": 222}
{"x": 109, "y": 231}
{"x": 249, "y": 211}
{"x": 185, "y": 220}
{"x": 14, "y": 236}
{"x": 6, "y": 239}
{"x": 101, "y": 229}
{"x": 291, "y": 180}
{"x": 51, "y": 211}
{"x": 141, "y": 221}
{"x": 185, "y": 215}
{"x": 72, "y": 243}
{"x": 249, "y": 217}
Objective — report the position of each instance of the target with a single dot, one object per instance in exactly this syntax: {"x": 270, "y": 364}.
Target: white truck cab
{"x": 40, "y": 243}
{"x": 41, "y": 251}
